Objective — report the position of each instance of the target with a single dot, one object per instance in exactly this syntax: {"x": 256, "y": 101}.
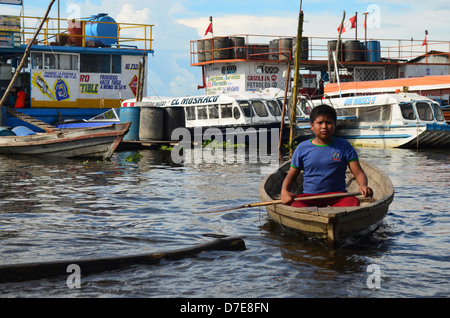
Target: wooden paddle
{"x": 251, "y": 205}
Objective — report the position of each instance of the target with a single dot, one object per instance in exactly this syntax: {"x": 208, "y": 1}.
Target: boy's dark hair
{"x": 323, "y": 110}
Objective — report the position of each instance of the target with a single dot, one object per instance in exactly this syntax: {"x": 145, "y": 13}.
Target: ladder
{"x": 31, "y": 120}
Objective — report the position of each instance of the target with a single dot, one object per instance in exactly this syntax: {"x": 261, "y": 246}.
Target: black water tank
{"x": 174, "y": 117}
{"x": 353, "y": 51}
{"x": 332, "y": 48}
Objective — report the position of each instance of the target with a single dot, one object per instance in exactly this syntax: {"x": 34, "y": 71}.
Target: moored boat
{"x": 247, "y": 116}
{"x": 77, "y": 71}
{"x": 400, "y": 120}
{"x": 93, "y": 142}
{"x": 335, "y": 224}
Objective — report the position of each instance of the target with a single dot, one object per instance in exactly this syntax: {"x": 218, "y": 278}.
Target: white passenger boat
{"x": 240, "y": 116}
{"x": 404, "y": 120}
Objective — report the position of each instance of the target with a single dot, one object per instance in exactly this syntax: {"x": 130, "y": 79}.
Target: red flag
{"x": 425, "y": 40}
{"x": 349, "y": 24}
{"x": 209, "y": 29}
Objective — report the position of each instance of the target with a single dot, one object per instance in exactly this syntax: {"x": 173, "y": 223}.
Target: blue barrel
{"x": 132, "y": 115}
{"x": 373, "y": 51}
{"x": 6, "y": 132}
{"x": 23, "y": 131}
{"x": 94, "y": 31}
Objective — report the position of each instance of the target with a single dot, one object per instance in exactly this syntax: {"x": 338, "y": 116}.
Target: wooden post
{"x": 338, "y": 45}
{"x": 283, "y": 113}
{"x": 293, "y": 109}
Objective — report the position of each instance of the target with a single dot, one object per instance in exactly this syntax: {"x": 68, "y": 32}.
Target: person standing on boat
{"x": 324, "y": 160}
{"x": 20, "y": 99}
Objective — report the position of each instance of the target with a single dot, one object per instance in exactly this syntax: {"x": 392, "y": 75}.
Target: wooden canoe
{"x": 335, "y": 224}
{"x": 93, "y": 142}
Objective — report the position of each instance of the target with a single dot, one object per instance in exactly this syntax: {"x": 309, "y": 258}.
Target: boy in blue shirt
{"x": 324, "y": 160}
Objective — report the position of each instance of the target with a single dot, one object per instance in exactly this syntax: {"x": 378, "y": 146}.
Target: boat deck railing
{"x": 71, "y": 32}
{"x": 317, "y": 50}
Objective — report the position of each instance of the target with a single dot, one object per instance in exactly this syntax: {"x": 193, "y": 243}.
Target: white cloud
{"x": 244, "y": 24}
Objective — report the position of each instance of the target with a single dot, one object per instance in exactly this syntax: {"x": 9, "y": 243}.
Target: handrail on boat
{"x": 315, "y": 49}
{"x": 58, "y": 32}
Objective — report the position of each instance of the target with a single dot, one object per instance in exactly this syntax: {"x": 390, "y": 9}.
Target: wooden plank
{"x": 31, "y": 120}
{"x": 31, "y": 271}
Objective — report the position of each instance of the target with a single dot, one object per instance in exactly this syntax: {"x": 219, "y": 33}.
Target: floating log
{"x": 32, "y": 271}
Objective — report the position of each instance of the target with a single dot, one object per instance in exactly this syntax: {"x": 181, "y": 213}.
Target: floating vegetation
{"x": 165, "y": 147}
{"x": 221, "y": 144}
{"x": 134, "y": 158}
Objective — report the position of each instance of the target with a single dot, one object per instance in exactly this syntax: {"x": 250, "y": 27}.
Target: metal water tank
{"x": 208, "y": 49}
{"x": 286, "y": 49}
{"x": 174, "y": 117}
{"x": 373, "y": 51}
{"x": 332, "y": 48}
{"x": 353, "y": 51}
{"x": 132, "y": 115}
{"x": 150, "y": 125}
{"x": 274, "y": 50}
{"x": 101, "y": 29}
{"x": 305, "y": 47}
{"x": 237, "y": 44}
{"x": 201, "y": 51}
{"x": 221, "y": 48}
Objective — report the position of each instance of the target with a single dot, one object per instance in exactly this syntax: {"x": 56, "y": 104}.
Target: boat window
{"x": 369, "y": 113}
{"x": 226, "y": 111}
{"x": 260, "y": 109}
{"x": 68, "y": 62}
{"x": 386, "y": 112}
{"x": 201, "y": 112}
{"x": 274, "y": 108}
{"x": 424, "y": 111}
{"x": 346, "y": 112}
{"x": 93, "y": 63}
{"x": 280, "y": 104}
{"x": 49, "y": 61}
{"x": 37, "y": 61}
{"x": 407, "y": 111}
{"x": 213, "y": 111}
{"x": 306, "y": 109}
{"x": 190, "y": 113}
{"x": 116, "y": 64}
{"x": 246, "y": 108}
{"x": 438, "y": 112}
{"x": 53, "y": 61}
{"x": 236, "y": 113}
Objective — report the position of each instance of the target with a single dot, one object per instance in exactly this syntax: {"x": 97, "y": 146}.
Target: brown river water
{"x": 53, "y": 210}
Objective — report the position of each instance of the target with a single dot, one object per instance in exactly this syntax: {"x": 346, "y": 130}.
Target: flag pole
{"x": 365, "y": 35}
{"x": 212, "y": 37}
{"x": 212, "y": 29}
{"x": 338, "y": 44}
{"x": 356, "y": 26}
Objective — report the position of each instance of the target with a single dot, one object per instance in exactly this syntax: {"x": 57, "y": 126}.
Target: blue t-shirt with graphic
{"x": 324, "y": 166}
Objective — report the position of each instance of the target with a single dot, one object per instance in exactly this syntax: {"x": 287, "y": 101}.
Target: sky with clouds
{"x": 177, "y": 22}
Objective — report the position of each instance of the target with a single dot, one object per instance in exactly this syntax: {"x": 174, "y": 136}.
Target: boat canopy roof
{"x": 389, "y": 86}
{"x": 199, "y": 100}
{"x": 374, "y": 100}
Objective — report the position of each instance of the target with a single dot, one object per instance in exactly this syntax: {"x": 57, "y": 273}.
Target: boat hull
{"x": 408, "y": 136}
{"x": 335, "y": 224}
{"x": 96, "y": 142}
{"x": 250, "y": 134}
